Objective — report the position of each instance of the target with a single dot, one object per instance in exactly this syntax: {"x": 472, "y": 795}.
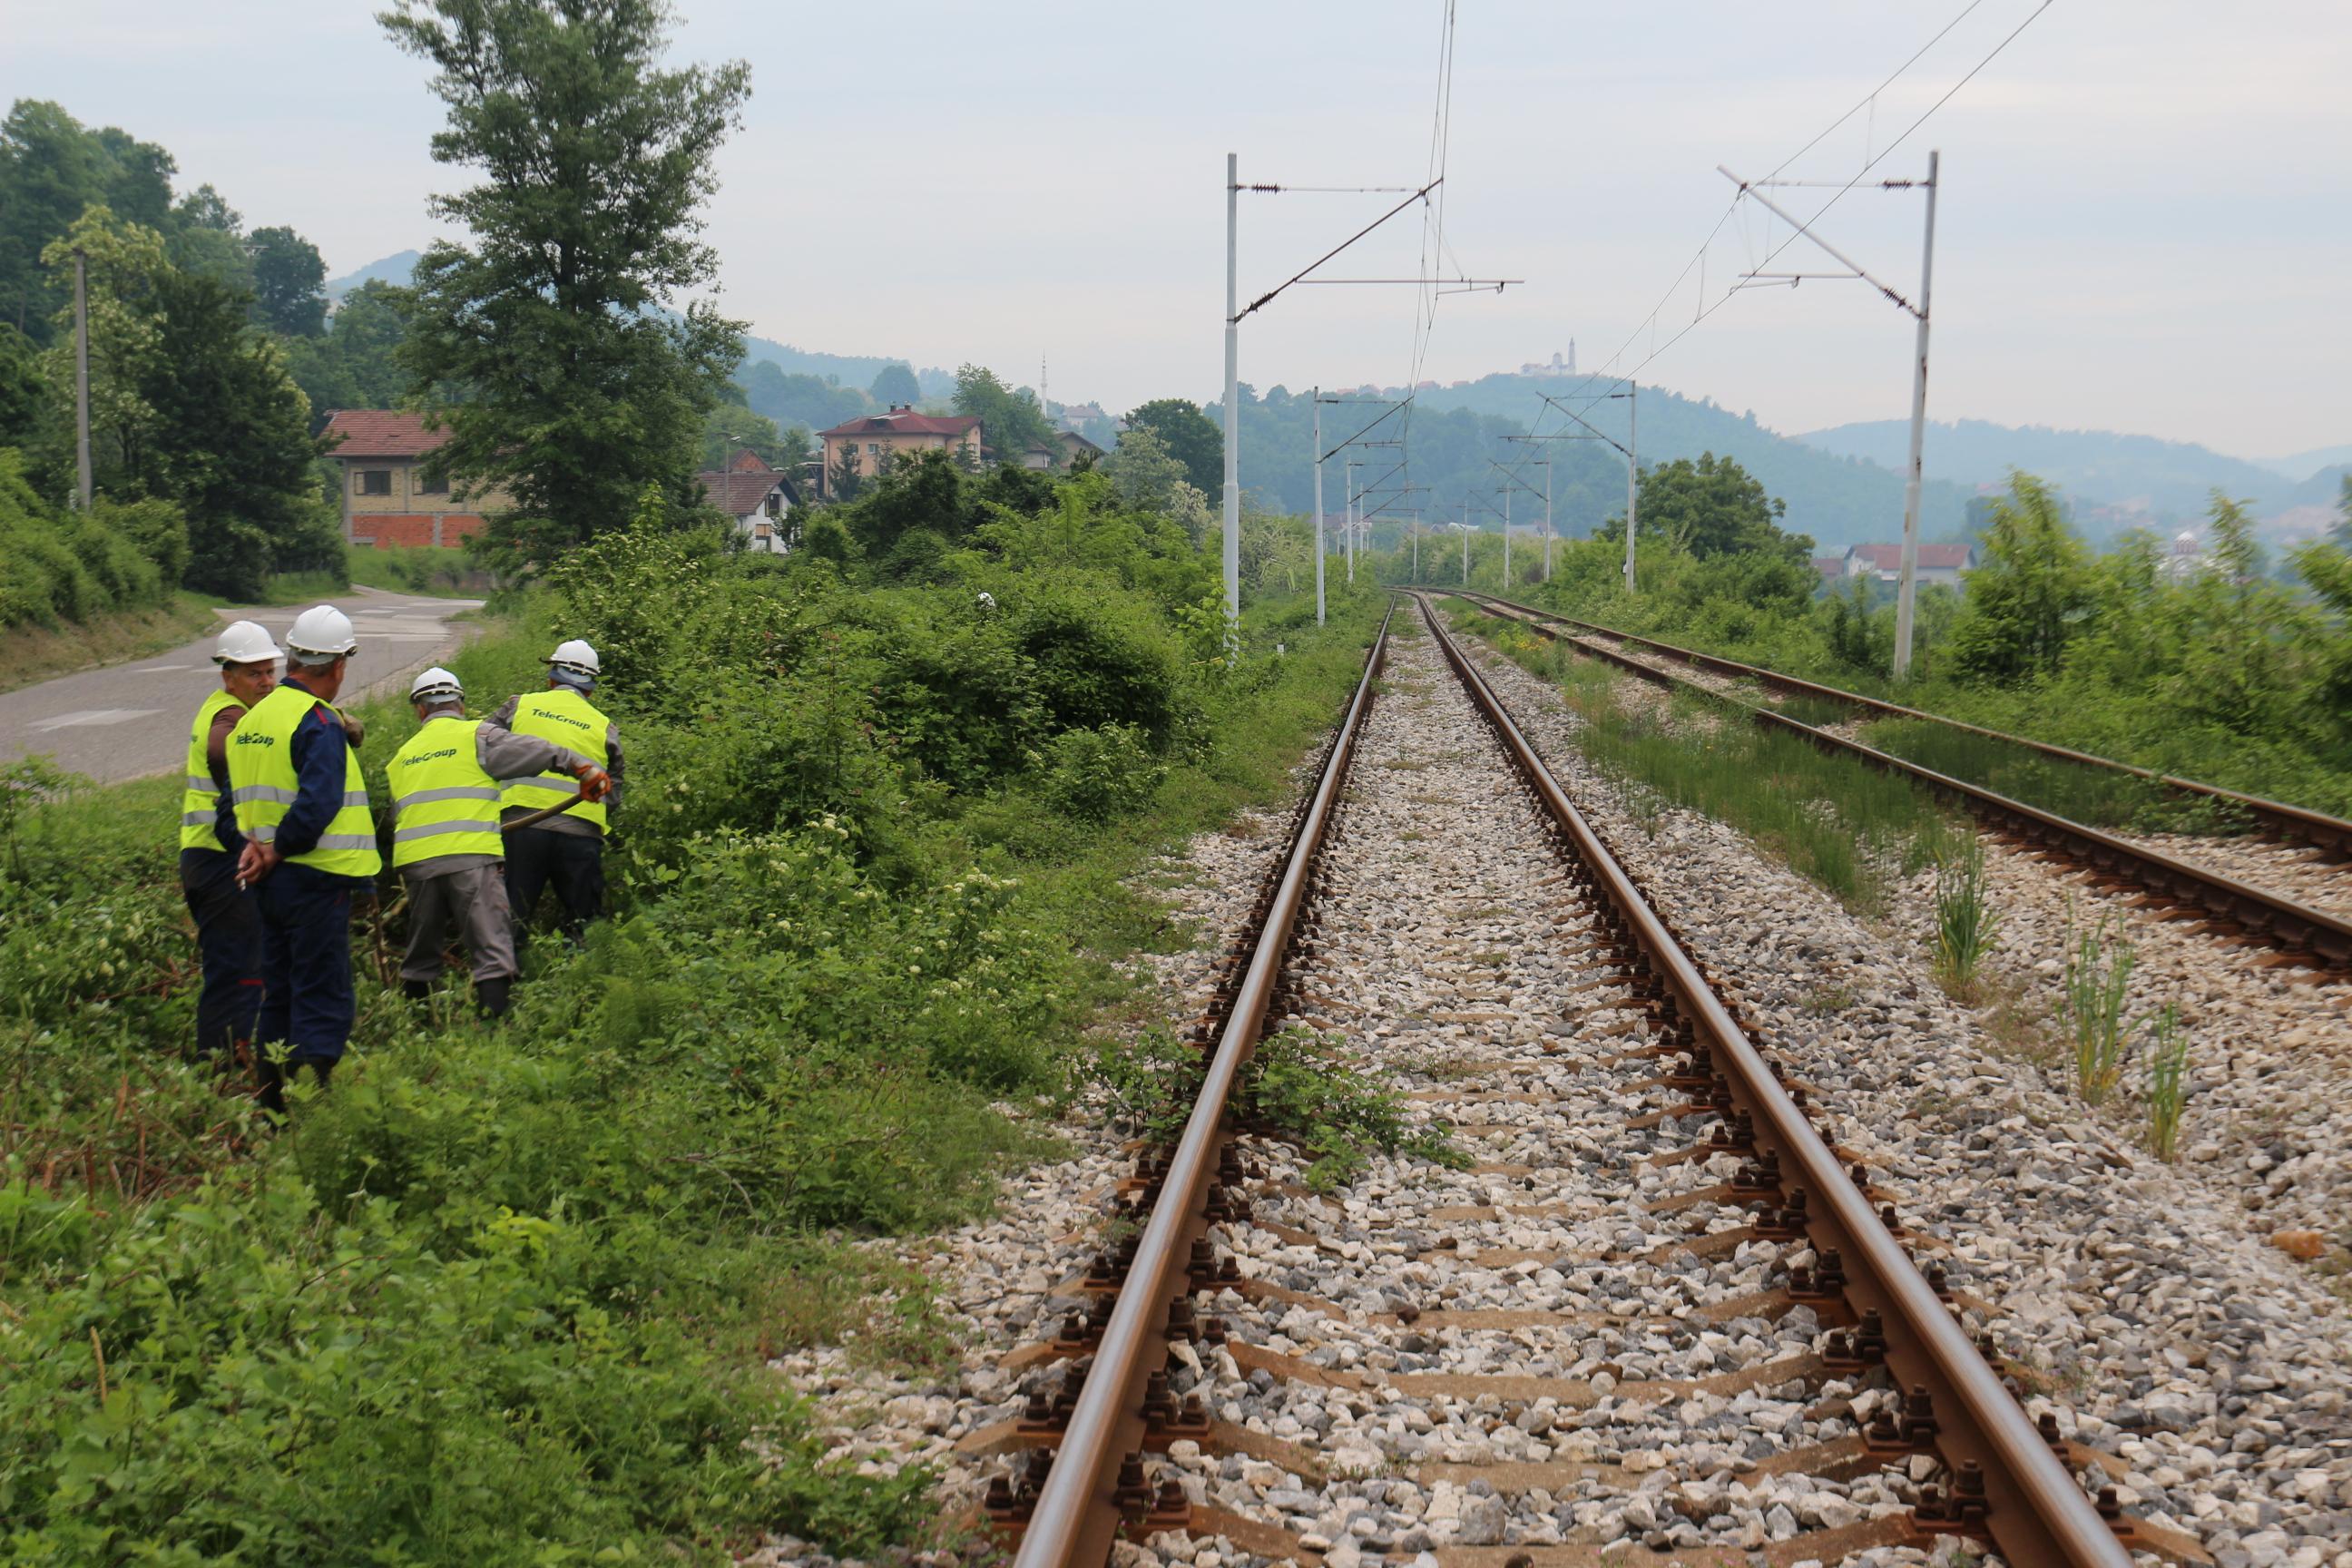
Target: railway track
{"x": 1658, "y": 1307}
{"x": 2274, "y": 818}
{"x": 2230, "y": 905}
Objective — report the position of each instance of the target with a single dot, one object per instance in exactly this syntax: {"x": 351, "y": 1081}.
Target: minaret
{"x": 1571, "y": 356}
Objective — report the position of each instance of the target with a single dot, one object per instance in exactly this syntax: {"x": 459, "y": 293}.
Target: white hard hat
{"x": 576, "y": 655}
{"x": 434, "y": 683}
{"x": 321, "y": 629}
{"x": 243, "y": 642}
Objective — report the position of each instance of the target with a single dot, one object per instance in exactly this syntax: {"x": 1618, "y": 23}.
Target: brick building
{"x": 387, "y": 500}
{"x": 863, "y": 442}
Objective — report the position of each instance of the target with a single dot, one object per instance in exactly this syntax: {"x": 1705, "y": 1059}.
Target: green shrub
{"x": 1096, "y": 775}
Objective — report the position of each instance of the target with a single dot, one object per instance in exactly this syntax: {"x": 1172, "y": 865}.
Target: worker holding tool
{"x": 566, "y": 849}
{"x": 445, "y": 841}
{"x": 301, "y": 804}
{"x": 228, "y": 927}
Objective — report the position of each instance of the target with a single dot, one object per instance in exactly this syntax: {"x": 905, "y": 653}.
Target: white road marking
{"x": 88, "y": 718}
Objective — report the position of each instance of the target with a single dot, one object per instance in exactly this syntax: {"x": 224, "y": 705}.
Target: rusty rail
{"x": 2034, "y": 1509}
{"x": 1080, "y": 1508}
{"x": 2279, "y": 921}
{"x": 2332, "y": 834}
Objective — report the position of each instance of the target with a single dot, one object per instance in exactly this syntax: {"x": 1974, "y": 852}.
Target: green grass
{"x": 419, "y": 569}
{"x": 1838, "y": 822}
{"x": 514, "y": 1289}
{"x": 305, "y": 587}
{"x": 30, "y": 654}
{"x": 2099, "y": 797}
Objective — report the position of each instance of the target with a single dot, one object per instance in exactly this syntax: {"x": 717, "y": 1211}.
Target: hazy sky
{"x": 2146, "y": 221}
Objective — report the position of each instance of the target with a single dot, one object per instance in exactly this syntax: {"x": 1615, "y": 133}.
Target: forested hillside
{"x": 1457, "y": 431}
{"x": 2172, "y": 479}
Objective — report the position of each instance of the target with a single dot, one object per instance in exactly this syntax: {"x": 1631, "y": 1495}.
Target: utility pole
{"x": 1466, "y": 544}
{"x": 1350, "y": 527}
{"x": 1633, "y": 474}
{"x": 1319, "y": 506}
{"x": 1232, "y": 412}
{"x": 81, "y": 377}
{"x": 1904, "y": 593}
{"x": 1548, "y": 509}
{"x": 1506, "y": 541}
{"x": 1908, "y": 589}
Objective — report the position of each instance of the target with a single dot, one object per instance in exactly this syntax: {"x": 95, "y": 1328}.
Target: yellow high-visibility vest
{"x": 262, "y": 785}
{"x": 200, "y": 799}
{"x": 442, "y": 801}
{"x": 561, "y": 715}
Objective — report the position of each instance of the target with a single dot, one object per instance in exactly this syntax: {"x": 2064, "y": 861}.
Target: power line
{"x": 1706, "y": 308}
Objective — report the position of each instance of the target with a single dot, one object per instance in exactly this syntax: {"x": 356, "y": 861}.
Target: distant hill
{"x": 394, "y": 269}
{"x": 2170, "y": 479}
{"x": 850, "y": 370}
{"x": 2304, "y": 465}
{"x": 1840, "y": 501}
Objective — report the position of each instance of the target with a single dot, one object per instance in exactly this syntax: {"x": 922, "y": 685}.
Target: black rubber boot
{"x": 495, "y": 996}
{"x": 324, "y": 1068}
{"x": 417, "y": 990}
{"x": 269, "y": 1083}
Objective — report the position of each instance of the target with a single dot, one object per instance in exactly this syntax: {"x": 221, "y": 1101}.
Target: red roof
{"x": 381, "y": 433}
{"x": 743, "y": 489}
{"x": 747, "y": 461}
{"x": 1932, "y": 557}
{"x": 905, "y": 423}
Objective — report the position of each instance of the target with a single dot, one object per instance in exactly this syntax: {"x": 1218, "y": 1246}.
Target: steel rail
{"x": 2330, "y": 832}
{"x": 1077, "y": 1516}
{"x": 2039, "y": 1516}
{"x": 2281, "y": 921}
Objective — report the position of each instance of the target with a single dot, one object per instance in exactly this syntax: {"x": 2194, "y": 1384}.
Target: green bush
{"x": 1094, "y": 776}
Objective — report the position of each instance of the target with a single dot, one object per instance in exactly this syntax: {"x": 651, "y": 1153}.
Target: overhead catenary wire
{"x": 1605, "y": 375}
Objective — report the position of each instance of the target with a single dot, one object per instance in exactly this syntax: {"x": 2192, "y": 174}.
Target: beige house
{"x": 387, "y": 500}
{"x": 757, "y": 498}
{"x": 862, "y": 443}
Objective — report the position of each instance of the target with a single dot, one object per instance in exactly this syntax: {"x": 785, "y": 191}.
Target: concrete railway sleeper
{"x": 1655, "y": 1307}
{"x": 2298, "y": 931}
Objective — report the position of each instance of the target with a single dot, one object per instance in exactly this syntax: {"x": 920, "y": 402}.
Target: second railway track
{"x": 1659, "y": 1308}
{"x": 2270, "y": 911}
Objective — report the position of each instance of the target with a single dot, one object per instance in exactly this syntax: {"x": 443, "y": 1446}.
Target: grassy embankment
{"x": 1840, "y": 823}
{"x": 511, "y": 1290}
{"x": 31, "y": 654}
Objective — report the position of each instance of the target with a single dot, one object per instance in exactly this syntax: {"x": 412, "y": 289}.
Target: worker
{"x": 302, "y": 805}
{"x": 228, "y": 927}
{"x": 446, "y": 842}
{"x": 567, "y": 849}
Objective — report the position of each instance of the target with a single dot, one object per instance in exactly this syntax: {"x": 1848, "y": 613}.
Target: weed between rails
{"x": 1966, "y": 919}
{"x": 2097, "y": 797}
{"x": 1306, "y": 1088}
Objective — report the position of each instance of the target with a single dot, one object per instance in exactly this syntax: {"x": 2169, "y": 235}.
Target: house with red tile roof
{"x": 864, "y": 443}
{"x": 757, "y": 498}
{"x": 388, "y": 497}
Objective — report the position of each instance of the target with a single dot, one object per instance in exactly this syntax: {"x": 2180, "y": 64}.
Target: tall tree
{"x": 1190, "y": 437}
{"x": 895, "y": 384}
{"x": 290, "y": 280}
{"x": 190, "y": 405}
{"x": 2031, "y": 591}
{"x": 234, "y": 445}
{"x": 1010, "y": 420}
{"x": 595, "y": 163}
{"x": 1709, "y": 508}
{"x": 51, "y": 171}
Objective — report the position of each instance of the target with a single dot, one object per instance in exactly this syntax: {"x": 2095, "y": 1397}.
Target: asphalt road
{"x": 130, "y": 720}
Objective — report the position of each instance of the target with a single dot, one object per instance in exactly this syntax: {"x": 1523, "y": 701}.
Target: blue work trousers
{"x": 228, "y": 941}
{"x": 307, "y": 1001}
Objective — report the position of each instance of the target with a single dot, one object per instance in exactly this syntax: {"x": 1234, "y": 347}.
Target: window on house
{"x": 371, "y": 482}
{"x": 428, "y": 486}
{"x": 874, "y": 448}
